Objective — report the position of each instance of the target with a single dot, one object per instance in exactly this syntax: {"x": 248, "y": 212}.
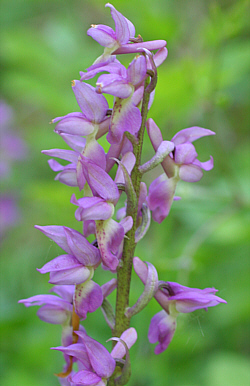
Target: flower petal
{"x": 190, "y": 134}
{"x": 78, "y": 351}
{"x": 109, "y": 235}
{"x": 86, "y": 378}
{"x": 85, "y": 253}
{"x": 190, "y": 173}
{"x": 129, "y": 336}
{"x": 160, "y": 197}
{"x": 125, "y": 117}
{"x": 68, "y": 155}
{"x": 162, "y": 328}
{"x": 92, "y": 208}
{"x": 99, "y": 181}
{"x": 75, "y": 126}
{"x": 103, "y": 34}
{"x": 185, "y": 153}
{"x": 53, "y": 315}
{"x": 99, "y": 357}
{"x": 137, "y": 70}
{"x": 124, "y": 29}
{"x": 87, "y": 298}
{"x": 93, "y": 105}
{"x": 139, "y": 47}
{"x": 115, "y": 85}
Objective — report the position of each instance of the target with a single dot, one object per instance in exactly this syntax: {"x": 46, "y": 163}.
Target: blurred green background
{"x": 204, "y": 241}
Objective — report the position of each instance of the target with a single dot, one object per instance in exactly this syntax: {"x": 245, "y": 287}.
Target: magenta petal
{"x": 93, "y": 105}
{"x": 76, "y": 142}
{"x": 162, "y": 328}
{"x": 109, "y": 235}
{"x": 95, "y": 152}
{"x": 128, "y": 160}
{"x": 76, "y": 350}
{"x": 129, "y": 336}
{"x": 154, "y": 133}
{"x": 53, "y": 300}
{"x": 68, "y": 155}
{"x": 137, "y": 70}
{"x": 85, "y": 253}
{"x": 87, "y": 298}
{"x": 138, "y": 95}
{"x": 92, "y": 208}
{"x": 54, "y": 165}
{"x": 124, "y": 29}
{"x": 139, "y": 47}
{"x": 50, "y": 314}
{"x": 125, "y": 117}
{"x": 114, "y": 84}
{"x": 67, "y": 177}
{"x": 86, "y": 378}
{"x": 160, "y": 197}
{"x": 208, "y": 165}
{"x": 75, "y": 126}
{"x": 160, "y": 56}
{"x": 65, "y": 269}
{"x": 191, "y": 301}
{"x": 103, "y": 34}
{"x": 89, "y": 228}
{"x": 100, "y": 359}
{"x": 190, "y": 173}
{"x": 57, "y": 234}
{"x": 109, "y": 287}
{"x": 184, "y": 153}
{"x": 99, "y": 181}
{"x": 113, "y": 68}
{"x": 191, "y": 134}
{"x": 127, "y": 223}
{"x": 65, "y": 291}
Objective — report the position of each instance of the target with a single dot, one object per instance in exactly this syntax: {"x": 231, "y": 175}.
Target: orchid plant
{"x": 114, "y": 240}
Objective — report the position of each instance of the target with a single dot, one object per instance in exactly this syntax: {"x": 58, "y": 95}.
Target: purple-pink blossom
{"x": 174, "y": 298}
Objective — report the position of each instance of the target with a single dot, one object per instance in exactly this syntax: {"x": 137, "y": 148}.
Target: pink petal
{"x": 129, "y": 336}
{"x": 125, "y": 117}
{"x": 100, "y": 359}
{"x": 87, "y": 298}
{"x": 139, "y": 47}
{"x": 190, "y": 173}
{"x": 93, "y": 105}
{"x": 103, "y": 34}
{"x": 190, "y": 135}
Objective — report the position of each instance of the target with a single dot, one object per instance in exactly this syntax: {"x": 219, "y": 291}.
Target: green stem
{"x": 124, "y": 272}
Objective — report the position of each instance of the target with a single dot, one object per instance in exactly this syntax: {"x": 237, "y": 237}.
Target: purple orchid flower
{"x": 94, "y": 109}
{"x": 77, "y": 267}
{"x": 55, "y": 309}
{"x": 95, "y": 362}
{"x": 182, "y": 164}
{"x": 100, "y": 208}
{"x": 160, "y": 196}
{"x": 174, "y": 299}
{"x": 117, "y": 42}
{"x": 183, "y": 160}
{"x": 109, "y": 233}
{"x": 69, "y": 174}
{"x": 92, "y": 123}
{"x": 121, "y": 83}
